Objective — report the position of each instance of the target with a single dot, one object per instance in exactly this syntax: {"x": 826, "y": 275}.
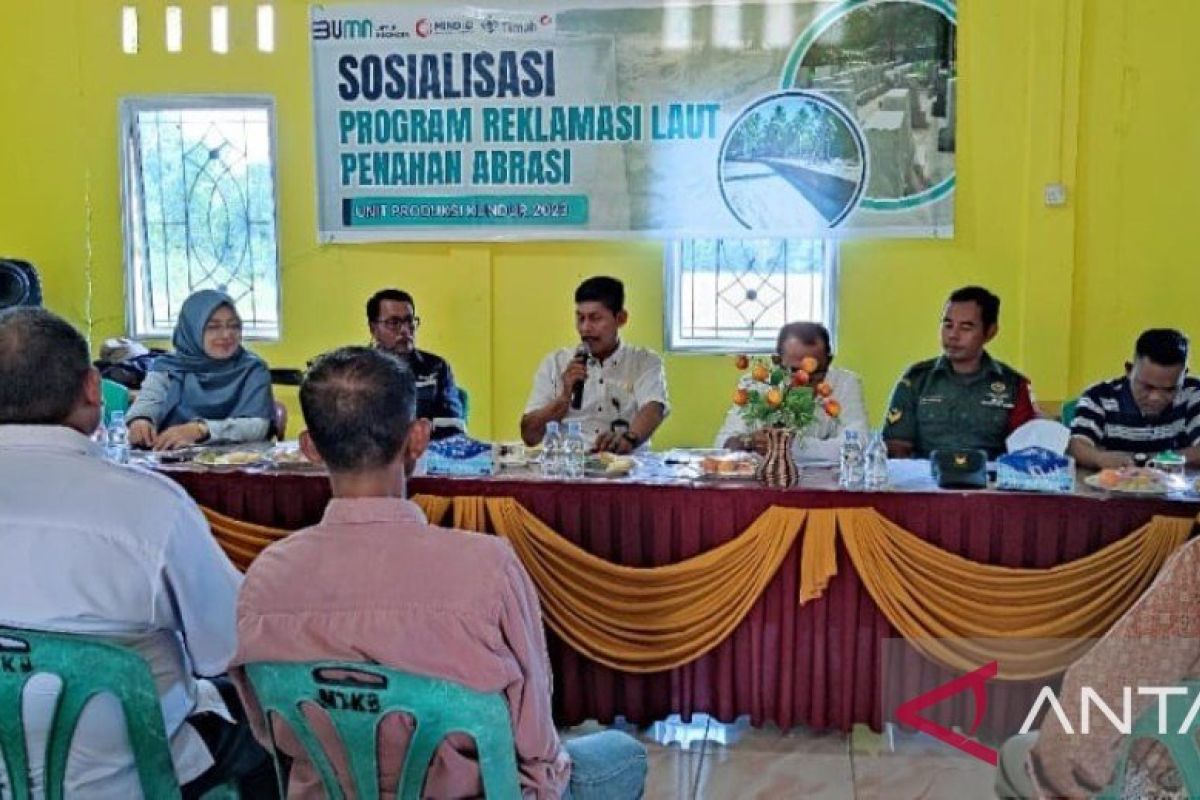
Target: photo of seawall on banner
{"x": 893, "y": 66}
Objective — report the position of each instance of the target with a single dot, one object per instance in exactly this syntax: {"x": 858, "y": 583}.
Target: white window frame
{"x": 672, "y": 333}
{"x": 137, "y": 321}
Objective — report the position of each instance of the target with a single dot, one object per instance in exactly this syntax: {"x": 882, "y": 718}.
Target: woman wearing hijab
{"x": 210, "y": 390}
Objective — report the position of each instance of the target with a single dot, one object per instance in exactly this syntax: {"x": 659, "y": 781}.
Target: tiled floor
{"x": 766, "y": 763}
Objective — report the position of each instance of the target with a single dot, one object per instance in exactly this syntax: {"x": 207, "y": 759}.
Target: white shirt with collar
{"x": 115, "y": 551}
{"x": 618, "y": 388}
{"x": 824, "y": 439}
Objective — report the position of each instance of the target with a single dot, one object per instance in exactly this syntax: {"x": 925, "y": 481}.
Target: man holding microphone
{"x": 618, "y": 392}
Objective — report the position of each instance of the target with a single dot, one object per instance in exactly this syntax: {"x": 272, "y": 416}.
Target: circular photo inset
{"x": 792, "y": 160}
{"x": 893, "y": 65}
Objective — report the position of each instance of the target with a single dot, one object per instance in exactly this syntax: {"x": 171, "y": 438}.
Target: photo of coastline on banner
{"x": 793, "y": 160}
{"x": 635, "y": 119}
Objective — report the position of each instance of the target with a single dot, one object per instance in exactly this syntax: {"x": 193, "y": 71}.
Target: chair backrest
{"x": 465, "y": 399}
{"x": 280, "y": 421}
{"x": 1182, "y": 746}
{"x": 87, "y": 667}
{"x": 357, "y": 696}
{"x": 115, "y": 397}
{"x": 1068, "y": 411}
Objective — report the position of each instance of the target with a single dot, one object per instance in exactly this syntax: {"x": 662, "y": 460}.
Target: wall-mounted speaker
{"x": 19, "y": 284}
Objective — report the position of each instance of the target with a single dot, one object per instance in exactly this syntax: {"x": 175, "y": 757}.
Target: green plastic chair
{"x": 357, "y": 697}
{"x": 1182, "y": 746}
{"x": 465, "y": 399}
{"x": 116, "y": 398}
{"x": 87, "y": 667}
{"x": 1068, "y": 411}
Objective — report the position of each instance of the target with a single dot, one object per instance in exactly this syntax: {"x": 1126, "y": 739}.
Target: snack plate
{"x": 1094, "y": 482}
{"x": 291, "y": 460}
{"x": 229, "y": 460}
{"x": 595, "y": 467}
{"x": 727, "y": 477}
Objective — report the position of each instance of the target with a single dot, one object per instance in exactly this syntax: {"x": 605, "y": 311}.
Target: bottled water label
{"x": 552, "y": 451}
{"x": 574, "y": 451}
{"x": 851, "y": 473}
{"x": 117, "y": 446}
{"x": 877, "y": 464}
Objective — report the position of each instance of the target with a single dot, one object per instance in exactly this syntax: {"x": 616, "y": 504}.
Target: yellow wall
{"x": 1139, "y": 162}
{"x": 1093, "y": 93}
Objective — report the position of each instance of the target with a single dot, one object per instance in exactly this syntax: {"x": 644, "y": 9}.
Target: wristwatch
{"x": 1140, "y": 459}
{"x": 632, "y": 438}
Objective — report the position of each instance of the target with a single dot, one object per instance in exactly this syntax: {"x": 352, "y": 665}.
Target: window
{"x": 733, "y": 295}
{"x": 199, "y": 208}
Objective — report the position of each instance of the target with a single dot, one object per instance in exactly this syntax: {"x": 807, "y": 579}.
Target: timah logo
{"x": 342, "y": 29}
{"x": 909, "y": 712}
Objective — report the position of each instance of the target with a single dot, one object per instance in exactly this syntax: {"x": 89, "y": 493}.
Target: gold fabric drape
{"x": 652, "y": 619}
{"x": 241, "y": 541}
{"x": 957, "y": 611}
{"x": 1035, "y": 622}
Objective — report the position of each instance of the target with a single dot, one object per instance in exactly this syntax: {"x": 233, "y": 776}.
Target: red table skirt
{"x": 817, "y": 665}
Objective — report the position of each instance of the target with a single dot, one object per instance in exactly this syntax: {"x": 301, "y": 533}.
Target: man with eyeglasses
{"x": 392, "y": 318}
{"x": 1154, "y": 407}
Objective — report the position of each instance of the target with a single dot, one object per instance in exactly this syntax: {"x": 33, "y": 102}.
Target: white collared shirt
{"x": 824, "y": 439}
{"x": 116, "y": 551}
{"x": 619, "y": 388}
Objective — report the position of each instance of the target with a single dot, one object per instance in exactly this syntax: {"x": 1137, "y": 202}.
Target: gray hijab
{"x": 203, "y": 387}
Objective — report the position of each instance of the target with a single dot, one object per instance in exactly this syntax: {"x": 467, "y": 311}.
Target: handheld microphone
{"x": 582, "y": 353}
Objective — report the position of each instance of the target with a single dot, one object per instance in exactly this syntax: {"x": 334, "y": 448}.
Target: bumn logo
{"x": 342, "y": 29}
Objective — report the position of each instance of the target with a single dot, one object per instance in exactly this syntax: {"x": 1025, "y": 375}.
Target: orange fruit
{"x": 833, "y": 408}
{"x": 760, "y": 373}
{"x": 824, "y": 389}
{"x": 741, "y": 397}
{"x": 809, "y": 364}
{"x": 741, "y": 362}
{"x": 800, "y": 378}
{"x": 774, "y": 398}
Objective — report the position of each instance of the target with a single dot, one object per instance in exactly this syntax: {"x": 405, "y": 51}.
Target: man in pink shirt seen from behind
{"x": 375, "y": 582}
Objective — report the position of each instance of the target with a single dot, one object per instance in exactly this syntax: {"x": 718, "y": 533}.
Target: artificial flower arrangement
{"x": 772, "y": 396}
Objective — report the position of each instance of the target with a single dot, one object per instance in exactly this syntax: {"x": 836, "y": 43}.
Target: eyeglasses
{"x": 217, "y": 327}
{"x": 396, "y": 323}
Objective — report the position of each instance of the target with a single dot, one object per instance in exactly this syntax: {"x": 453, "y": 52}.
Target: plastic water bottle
{"x": 876, "y": 462}
{"x": 100, "y": 435}
{"x": 850, "y": 475}
{"x": 552, "y": 451}
{"x": 574, "y": 451}
{"x": 117, "y": 446}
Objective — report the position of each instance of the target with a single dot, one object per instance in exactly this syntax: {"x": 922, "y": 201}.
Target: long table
{"x": 816, "y": 665}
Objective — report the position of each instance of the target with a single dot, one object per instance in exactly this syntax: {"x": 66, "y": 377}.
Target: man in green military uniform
{"x": 964, "y": 399}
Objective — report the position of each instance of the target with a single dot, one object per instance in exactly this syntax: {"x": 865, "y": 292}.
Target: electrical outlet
{"x": 1056, "y": 195}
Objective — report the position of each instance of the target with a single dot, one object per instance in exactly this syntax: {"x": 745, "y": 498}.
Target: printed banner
{"x": 634, "y": 119}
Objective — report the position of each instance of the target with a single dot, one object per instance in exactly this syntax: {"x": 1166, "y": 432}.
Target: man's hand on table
{"x": 1114, "y": 460}
{"x": 613, "y": 443}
